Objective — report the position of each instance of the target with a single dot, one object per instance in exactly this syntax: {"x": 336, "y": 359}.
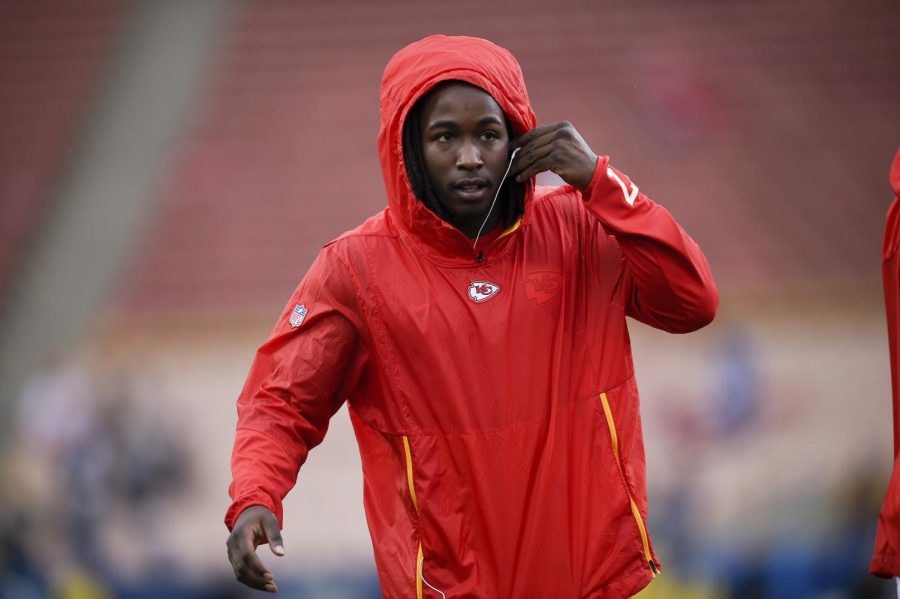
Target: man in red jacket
{"x": 476, "y": 328}
{"x": 886, "y": 560}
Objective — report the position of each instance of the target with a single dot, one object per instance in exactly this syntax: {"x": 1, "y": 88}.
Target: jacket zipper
{"x": 614, "y": 440}
{"x": 479, "y": 258}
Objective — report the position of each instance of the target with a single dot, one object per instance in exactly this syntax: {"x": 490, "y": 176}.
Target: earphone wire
{"x": 496, "y": 195}
{"x": 422, "y": 576}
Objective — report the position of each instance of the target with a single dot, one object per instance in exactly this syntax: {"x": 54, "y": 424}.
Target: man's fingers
{"x": 253, "y": 580}
{"x": 526, "y": 158}
{"x": 252, "y": 572}
{"x": 273, "y": 533}
{"x": 535, "y": 133}
{"x": 249, "y": 574}
{"x": 534, "y": 145}
{"x": 243, "y": 558}
{"x": 253, "y": 525}
{"x": 252, "y": 561}
{"x": 545, "y": 164}
{"x": 247, "y": 566}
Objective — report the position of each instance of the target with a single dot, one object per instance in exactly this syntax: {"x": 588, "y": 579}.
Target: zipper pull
{"x": 480, "y": 256}
{"x": 653, "y": 567}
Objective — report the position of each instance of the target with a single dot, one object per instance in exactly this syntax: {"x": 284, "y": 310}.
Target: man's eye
{"x": 490, "y": 136}
{"x": 443, "y": 137}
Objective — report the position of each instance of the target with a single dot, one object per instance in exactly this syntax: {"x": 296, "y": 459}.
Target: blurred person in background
{"x": 886, "y": 560}
{"x": 477, "y": 329}
{"x": 88, "y": 466}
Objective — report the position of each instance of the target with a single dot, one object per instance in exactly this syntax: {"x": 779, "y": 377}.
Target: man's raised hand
{"x": 558, "y": 148}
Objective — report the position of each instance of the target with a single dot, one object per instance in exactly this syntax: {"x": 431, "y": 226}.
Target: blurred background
{"x": 169, "y": 169}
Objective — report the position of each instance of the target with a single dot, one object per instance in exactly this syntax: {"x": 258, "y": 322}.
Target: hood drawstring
{"x": 499, "y": 187}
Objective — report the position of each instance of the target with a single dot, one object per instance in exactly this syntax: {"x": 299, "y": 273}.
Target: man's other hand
{"x": 254, "y": 526}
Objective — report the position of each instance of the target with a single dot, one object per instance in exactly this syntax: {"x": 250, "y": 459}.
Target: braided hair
{"x": 511, "y": 200}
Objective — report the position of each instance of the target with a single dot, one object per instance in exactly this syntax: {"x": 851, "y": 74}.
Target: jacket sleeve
{"x": 886, "y": 559}
{"x": 298, "y": 380}
{"x": 668, "y": 282}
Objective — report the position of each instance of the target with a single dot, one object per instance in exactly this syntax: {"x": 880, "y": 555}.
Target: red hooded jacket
{"x": 886, "y": 561}
{"x": 493, "y": 397}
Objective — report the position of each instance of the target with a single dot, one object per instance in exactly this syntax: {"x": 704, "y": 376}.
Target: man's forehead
{"x": 458, "y": 96}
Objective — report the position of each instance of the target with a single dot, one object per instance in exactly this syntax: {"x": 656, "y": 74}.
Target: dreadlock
{"x": 510, "y": 202}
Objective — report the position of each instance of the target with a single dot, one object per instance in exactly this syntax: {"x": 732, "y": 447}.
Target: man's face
{"x": 466, "y": 150}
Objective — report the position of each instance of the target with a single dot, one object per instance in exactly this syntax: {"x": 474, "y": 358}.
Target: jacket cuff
{"x": 243, "y": 503}
{"x": 598, "y": 181}
{"x": 885, "y": 565}
{"x": 611, "y": 196}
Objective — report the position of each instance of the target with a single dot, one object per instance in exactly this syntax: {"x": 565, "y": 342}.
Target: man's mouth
{"x": 472, "y": 189}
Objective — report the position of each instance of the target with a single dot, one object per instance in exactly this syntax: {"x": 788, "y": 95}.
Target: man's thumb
{"x": 273, "y": 533}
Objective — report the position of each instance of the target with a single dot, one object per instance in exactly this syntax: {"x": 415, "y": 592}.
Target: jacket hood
{"x": 411, "y": 73}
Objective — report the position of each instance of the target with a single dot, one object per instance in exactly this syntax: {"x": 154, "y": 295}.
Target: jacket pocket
{"x": 606, "y": 409}
{"x": 420, "y": 556}
{"x": 410, "y": 479}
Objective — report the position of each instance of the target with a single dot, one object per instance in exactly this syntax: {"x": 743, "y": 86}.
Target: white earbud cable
{"x": 422, "y": 576}
{"x": 491, "y": 209}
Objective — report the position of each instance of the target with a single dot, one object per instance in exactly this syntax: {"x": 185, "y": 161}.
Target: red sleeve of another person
{"x": 886, "y": 561}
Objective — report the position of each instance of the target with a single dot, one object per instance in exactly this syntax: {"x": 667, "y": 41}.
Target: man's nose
{"x": 469, "y": 157}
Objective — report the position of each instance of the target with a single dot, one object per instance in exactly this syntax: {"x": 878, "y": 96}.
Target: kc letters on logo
{"x": 542, "y": 286}
{"x": 481, "y": 291}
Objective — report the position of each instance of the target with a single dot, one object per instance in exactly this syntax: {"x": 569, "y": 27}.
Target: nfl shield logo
{"x": 298, "y": 315}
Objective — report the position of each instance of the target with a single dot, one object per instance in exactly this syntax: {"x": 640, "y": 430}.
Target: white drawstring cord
{"x": 491, "y": 209}
{"x": 422, "y": 576}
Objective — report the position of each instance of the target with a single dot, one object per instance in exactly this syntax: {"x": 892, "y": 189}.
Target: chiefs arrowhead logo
{"x": 542, "y": 286}
{"x": 482, "y": 291}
